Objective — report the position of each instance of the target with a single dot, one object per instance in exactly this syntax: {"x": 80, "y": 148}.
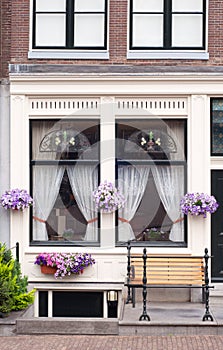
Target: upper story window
{"x": 70, "y": 25}
{"x": 167, "y": 25}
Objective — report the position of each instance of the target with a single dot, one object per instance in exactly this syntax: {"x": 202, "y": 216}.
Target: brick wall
{"x": 5, "y": 36}
{"x": 18, "y": 35}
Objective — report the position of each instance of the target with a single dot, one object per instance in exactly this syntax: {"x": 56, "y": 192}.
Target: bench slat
{"x": 168, "y": 270}
{"x": 166, "y": 282}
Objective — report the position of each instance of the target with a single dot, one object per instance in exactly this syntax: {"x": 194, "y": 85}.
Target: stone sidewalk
{"x": 72, "y": 342}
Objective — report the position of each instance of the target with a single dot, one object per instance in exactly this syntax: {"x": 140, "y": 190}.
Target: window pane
{"x": 50, "y": 30}
{"x": 148, "y": 5}
{"x": 167, "y": 136}
{"x": 89, "y": 5}
{"x": 64, "y": 203}
{"x": 65, "y": 140}
{"x": 187, "y": 5}
{"x": 50, "y": 5}
{"x": 147, "y": 30}
{"x": 152, "y": 194}
{"x": 187, "y": 30}
{"x": 217, "y": 127}
{"x": 89, "y": 30}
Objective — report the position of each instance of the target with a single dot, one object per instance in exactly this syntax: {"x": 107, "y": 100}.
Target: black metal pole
{"x": 144, "y": 315}
{"x": 17, "y": 251}
{"x": 129, "y": 296}
{"x": 207, "y": 314}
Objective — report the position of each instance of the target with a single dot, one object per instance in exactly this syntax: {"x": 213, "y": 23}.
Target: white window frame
{"x": 169, "y": 54}
{"x": 33, "y": 53}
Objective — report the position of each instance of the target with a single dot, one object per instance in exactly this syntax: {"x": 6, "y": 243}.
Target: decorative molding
{"x": 107, "y": 99}
{"x": 63, "y": 106}
{"x": 18, "y": 98}
{"x": 156, "y": 106}
{"x": 85, "y": 106}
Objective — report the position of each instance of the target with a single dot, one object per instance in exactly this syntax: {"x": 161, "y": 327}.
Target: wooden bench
{"x": 144, "y": 271}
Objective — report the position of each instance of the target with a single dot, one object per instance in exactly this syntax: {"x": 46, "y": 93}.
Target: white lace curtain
{"x": 170, "y": 186}
{"x": 132, "y": 183}
{"x": 83, "y": 180}
{"x": 46, "y": 183}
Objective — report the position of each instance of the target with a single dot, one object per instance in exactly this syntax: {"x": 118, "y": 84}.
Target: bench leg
{"x": 207, "y": 316}
{"x": 133, "y": 297}
{"x": 144, "y": 316}
{"x": 129, "y": 296}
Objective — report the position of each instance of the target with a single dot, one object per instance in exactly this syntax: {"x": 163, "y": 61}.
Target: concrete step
{"x": 217, "y": 291}
{"x": 8, "y": 324}
{"x": 168, "y": 318}
{"x": 28, "y": 324}
{"x": 47, "y": 325}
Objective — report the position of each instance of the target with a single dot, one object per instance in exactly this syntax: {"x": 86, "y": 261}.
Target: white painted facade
{"x": 107, "y": 97}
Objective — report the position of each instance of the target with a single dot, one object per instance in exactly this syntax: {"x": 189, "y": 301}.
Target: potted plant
{"x": 64, "y": 264}
{"x": 108, "y": 198}
{"x": 155, "y": 234}
{"x": 68, "y": 234}
{"x": 14, "y": 294}
{"x": 198, "y": 204}
{"x": 16, "y": 199}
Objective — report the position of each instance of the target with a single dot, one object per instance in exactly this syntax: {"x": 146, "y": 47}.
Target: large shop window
{"x": 64, "y": 170}
{"x": 151, "y": 172}
{"x": 70, "y": 24}
{"x": 167, "y": 24}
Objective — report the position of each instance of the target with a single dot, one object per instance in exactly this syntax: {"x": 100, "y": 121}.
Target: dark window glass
{"x": 77, "y": 304}
{"x": 217, "y": 126}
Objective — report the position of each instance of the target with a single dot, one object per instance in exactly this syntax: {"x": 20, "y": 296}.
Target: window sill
{"x": 172, "y": 55}
{"x": 62, "y": 54}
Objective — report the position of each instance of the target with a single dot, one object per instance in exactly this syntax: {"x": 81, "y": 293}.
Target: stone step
{"x": 217, "y": 291}
{"x": 47, "y": 325}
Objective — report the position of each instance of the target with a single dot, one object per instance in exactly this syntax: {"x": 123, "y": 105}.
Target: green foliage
{"x": 13, "y": 286}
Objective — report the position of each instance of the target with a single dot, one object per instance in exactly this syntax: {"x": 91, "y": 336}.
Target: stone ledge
{"x": 67, "y": 326}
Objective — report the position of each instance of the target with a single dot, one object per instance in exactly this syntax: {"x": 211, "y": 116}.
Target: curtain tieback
{"x": 178, "y": 220}
{"x": 123, "y": 220}
{"x": 38, "y": 219}
{"x": 92, "y": 220}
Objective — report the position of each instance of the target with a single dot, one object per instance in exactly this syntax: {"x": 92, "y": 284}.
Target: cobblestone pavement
{"x": 72, "y": 342}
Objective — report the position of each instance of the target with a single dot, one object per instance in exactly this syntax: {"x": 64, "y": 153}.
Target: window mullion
{"x": 167, "y": 37}
{"x": 70, "y": 23}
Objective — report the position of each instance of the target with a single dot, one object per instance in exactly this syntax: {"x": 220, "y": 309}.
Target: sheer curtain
{"x": 46, "y": 184}
{"x": 169, "y": 181}
{"x": 132, "y": 181}
{"x": 83, "y": 180}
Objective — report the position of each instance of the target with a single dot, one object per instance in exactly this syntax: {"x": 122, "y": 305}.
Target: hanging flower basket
{"x": 64, "y": 264}
{"x": 48, "y": 270}
{"x": 16, "y": 199}
{"x": 108, "y": 198}
{"x": 198, "y": 204}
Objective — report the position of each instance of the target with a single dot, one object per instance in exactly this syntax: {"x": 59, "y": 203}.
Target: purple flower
{"x": 16, "y": 199}
{"x": 108, "y": 198}
{"x": 66, "y": 263}
{"x": 198, "y": 204}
